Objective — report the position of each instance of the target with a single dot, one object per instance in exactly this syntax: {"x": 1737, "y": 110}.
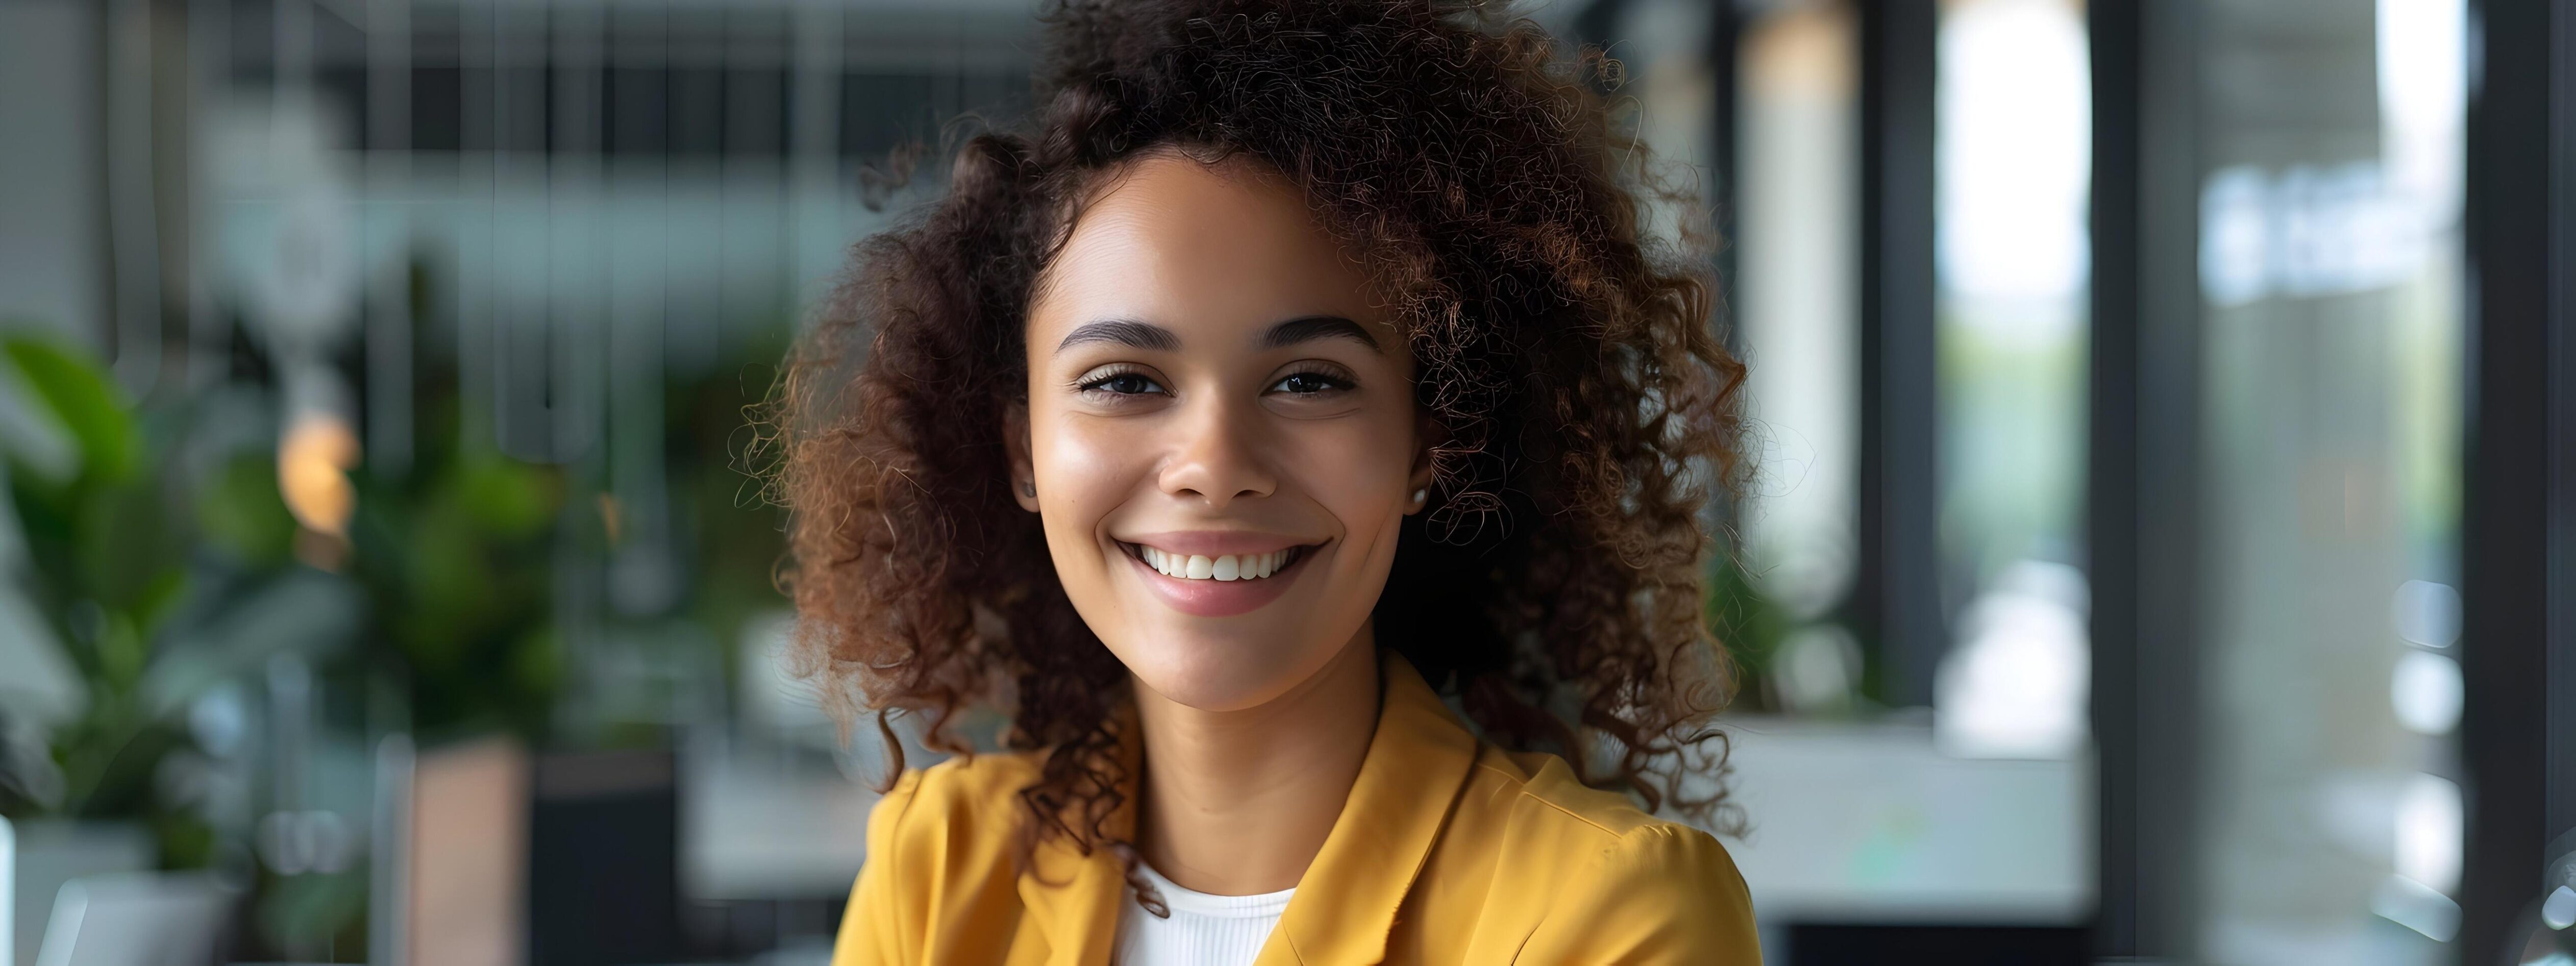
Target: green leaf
{"x": 240, "y": 510}
{"x": 121, "y": 653}
{"x": 537, "y": 662}
{"x": 126, "y": 544}
{"x": 159, "y": 599}
{"x": 82, "y": 399}
{"x": 507, "y": 499}
{"x": 313, "y": 908}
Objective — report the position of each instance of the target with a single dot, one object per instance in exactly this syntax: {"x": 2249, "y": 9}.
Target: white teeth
{"x": 1249, "y": 566}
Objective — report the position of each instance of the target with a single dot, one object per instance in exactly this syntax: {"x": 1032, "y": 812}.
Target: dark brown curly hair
{"x": 1587, "y": 409}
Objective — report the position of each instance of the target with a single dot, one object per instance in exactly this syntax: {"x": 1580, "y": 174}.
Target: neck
{"x": 1239, "y": 802}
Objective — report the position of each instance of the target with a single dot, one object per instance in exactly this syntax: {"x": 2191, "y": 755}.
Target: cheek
{"x": 1084, "y": 468}
{"x": 1357, "y": 470}
{"x": 1067, "y": 451}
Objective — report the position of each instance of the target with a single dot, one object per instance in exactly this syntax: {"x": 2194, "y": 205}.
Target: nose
{"x": 1218, "y": 456}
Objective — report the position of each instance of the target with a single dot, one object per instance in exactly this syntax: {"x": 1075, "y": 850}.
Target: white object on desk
{"x": 47, "y": 853}
{"x": 136, "y": 919}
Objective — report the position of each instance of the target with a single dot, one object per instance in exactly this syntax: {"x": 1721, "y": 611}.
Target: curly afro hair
{"x": 1588, "y": 409}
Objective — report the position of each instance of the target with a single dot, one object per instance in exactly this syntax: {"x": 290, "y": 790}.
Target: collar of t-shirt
{"x": 1196, "y": 903}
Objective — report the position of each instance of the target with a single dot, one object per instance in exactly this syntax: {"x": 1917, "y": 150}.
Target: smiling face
{"x": 1220, "y": 431}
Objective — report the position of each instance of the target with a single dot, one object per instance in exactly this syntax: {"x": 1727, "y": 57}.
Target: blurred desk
{"x": 756, "y": 828}
{"x": 1869, "y": 823}
{"x": 1851, "y": 823}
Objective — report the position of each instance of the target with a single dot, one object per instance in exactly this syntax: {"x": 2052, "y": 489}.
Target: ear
{"x": 1428, "y": 435}
{"x": 1015, "y": 440}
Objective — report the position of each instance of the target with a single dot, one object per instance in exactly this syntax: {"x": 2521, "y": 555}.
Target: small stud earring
{"x": 1028, "y": 489}
{"x": 1421, "y": 495}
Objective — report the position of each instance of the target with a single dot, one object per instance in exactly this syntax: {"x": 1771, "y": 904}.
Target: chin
{"x": 1221, "y": 672}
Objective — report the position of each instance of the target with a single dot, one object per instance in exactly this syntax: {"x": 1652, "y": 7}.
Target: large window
{"x": 2012, "y": 165}
{"x": 1797, "y": 304}
{"x": 2331, "y": 330}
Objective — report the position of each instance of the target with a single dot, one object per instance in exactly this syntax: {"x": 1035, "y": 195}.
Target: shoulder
{"x": 964, "y": 787}
{"x": 938, "y": 858}
{"x": 1615, "y": 875}
{"x": 961, "y": 802}
{"x": 1544, "y": 804}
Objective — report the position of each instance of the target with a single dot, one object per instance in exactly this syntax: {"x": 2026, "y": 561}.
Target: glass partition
{"x": 2331, "y": 325}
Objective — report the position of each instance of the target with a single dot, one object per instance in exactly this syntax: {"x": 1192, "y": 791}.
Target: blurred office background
{"x": 2161, "y": 548}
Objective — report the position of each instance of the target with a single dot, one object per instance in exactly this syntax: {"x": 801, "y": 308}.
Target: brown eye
{"x": 1125, "y": 384}
{"x": 1307, "y": 384}
{"x": 1121, "y": 382}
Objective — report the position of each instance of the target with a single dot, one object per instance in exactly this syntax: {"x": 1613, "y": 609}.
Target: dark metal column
{"x": 2560, "y": 817}
{"x": 1896, "y": 598}
{"x": 2111, "y": 495}
{"x": 2515, "y": 251}
{"x": 2143, "y": 500}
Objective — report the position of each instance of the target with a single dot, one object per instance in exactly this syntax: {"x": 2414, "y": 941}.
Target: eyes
{"x": 1121, "y": 383}
{"x": 1307, "y": 383}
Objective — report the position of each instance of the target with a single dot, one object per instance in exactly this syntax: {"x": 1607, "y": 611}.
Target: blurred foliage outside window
{"x": 167, "y": 577}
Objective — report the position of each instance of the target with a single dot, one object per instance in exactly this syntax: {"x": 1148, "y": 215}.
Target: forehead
{"x": 1185, "y": 244}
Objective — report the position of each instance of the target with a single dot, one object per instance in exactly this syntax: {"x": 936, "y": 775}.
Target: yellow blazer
{"x": 1448, "y": 851}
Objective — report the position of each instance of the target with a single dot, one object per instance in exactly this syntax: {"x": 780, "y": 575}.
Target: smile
{"x": 1217, "y": 584}
{"x": 1221, "y": 567}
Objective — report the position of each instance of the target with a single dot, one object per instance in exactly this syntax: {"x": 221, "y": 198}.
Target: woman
{"x": 1302, "y": 364}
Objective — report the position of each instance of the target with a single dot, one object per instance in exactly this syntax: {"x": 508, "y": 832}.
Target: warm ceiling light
{"x": 313, "y": 463}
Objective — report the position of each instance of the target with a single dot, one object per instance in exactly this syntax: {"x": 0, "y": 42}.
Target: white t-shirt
{"x": 1204, "y": 930}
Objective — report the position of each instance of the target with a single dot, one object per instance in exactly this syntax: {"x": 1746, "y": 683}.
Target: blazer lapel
{"x": 1074, "y": 899}
{"x": 1417, "y": 761}
{"x": 1346, "y": 903}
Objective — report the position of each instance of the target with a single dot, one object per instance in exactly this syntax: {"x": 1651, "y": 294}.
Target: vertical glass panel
{"x": 2013, "y": 161}
{"x": 2329, "y": 272}
{"x": 1664, "y": 46}
{"x": 1796, "y": 302}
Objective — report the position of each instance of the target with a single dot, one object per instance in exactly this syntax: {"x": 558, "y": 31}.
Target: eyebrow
{"x": 1314, "y": 327}
{"x": 1146, "y": 335}
{"x": 1129, "y": 332}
